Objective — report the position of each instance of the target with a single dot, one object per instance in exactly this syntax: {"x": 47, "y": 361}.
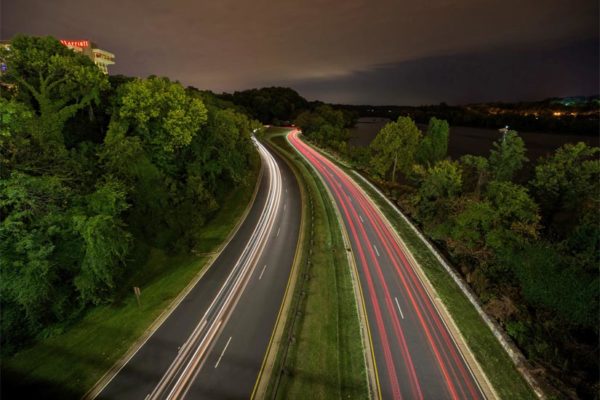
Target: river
{"x": 478, "y": 141}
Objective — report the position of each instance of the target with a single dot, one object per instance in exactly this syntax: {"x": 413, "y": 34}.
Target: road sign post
{"x": 137, "y": 292}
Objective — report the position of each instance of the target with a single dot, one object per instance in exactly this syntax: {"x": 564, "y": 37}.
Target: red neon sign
{"x": 76, "y": 43}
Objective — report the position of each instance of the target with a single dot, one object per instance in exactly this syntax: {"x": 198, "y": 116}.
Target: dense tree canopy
{"x": 507, "y": 156}
{"x": 325, "y": 126}
{"x": 55, "y": 81}
{"x": 434, "y": 145}
{"x": 94, "y": 170}
{"x": 394, "y": 148}
{"x": 569, "y": 180}
{"x": 270, "y": 104}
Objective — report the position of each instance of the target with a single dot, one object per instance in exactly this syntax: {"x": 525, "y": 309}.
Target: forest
{"x": 528, "y": 244}
{"x": 95, "y": 171}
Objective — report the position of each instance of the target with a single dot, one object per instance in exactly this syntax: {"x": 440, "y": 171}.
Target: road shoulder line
{"x": 367, "y": 342}
{"x": 266, "y": 370}
{"x": 99, "y": 386}
{"x": 513, "y": 353}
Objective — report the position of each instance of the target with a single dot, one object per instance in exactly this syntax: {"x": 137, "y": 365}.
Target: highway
{"x": 213, "y": 343}
{"x": 415, "y": 354}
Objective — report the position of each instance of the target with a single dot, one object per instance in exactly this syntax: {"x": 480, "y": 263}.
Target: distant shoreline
{"x": 478, "y": 141}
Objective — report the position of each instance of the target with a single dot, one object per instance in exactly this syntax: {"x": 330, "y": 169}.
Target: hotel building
{"x": 101, "y": 58}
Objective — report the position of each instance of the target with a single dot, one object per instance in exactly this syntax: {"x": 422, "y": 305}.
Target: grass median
{"x": 67, "y": 365}
{"x": 495, "y": 362}
{"x": 325, "y": 355}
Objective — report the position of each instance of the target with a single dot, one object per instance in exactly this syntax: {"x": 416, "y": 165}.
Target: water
{"x": 478, "y": 141}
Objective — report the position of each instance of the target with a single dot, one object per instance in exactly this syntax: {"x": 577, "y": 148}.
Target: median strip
{"x": 323, "y": 352}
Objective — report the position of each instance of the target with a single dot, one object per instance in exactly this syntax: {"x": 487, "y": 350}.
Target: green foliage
{"x": 475, "y": 173}
{"x": 570, "y": 179}
{"x": 325, "y": 126}
{"x": 440, "y": 185}
{"x": 516, "y": 216}
{"x": 507, "y": 157}
{"x": 106, "y": 242}
{"x": 434, "y": 145}
{"x": 466, "y": 233}
{"x": 551, "y": 280}
{"x": 443, "y": 180}
{"x": 161, "y": 113}
{"x": 54, "y": 81}
{"x": 13, "y": 116}
{"x": 38, "y": 253}
{"x": 394, "y": 148}
{"x": 499, "y": 223}
{"x": 274, "y": 105}
{"x": 93, "y": 169}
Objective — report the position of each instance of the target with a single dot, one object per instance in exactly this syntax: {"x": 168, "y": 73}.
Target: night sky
{"x": 346, "y": 51}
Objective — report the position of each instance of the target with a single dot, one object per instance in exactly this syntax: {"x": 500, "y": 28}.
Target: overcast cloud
{"x": 345, "y": 51}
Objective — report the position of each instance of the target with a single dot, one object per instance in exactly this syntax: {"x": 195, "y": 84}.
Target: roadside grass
{"x": 495, "y": 362}
{"x": 325, "y": 356}
{"x": 67, "y": 365}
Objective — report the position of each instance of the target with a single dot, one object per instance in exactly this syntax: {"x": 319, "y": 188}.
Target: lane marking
{"x": 399, "y": 309}
{"x": 361, "y": 219}
{"x": 284, "y": 206}
{"x": 230, "y": 288}
{"x": 376, "y": 251}
{"x": 223, "y": 352}
{"x": 262, "y": 272}
{"x": 278, "y": 232}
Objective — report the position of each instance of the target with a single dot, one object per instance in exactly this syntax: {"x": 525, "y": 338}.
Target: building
{"x": 4, "y": 44}
{"x": 101, "y": 58}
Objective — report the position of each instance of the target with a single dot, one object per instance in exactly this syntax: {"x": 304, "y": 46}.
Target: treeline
{"x": 95, "y": 171}
{"x": 269, "y": 105}
{"x": 529, "y": 249}
{"x": 584, "y": 122}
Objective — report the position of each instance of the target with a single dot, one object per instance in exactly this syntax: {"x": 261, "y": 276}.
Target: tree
{"x": 554, "y": 281}
{"x": 507, "y": 157}
{"x": 270, "y": 104}
{"x": 503, "y": 222}
{"x": 106, "y": 242}
{"x": 475, "y": 173}
{"x": 325, "y": 126}
{"x": 14, "y": 116}
{"x": 394, "y": 147}
{"x": 161, "y": 113}
{"x": 39, "y": 251}
{"x": 517, "y": 215}
{"x": 55, "y": 81}
{"x": 154, "y": 122}
{"x": 434, "y": 145}
{"x": 440, "y": 185}
{"x": 78, "y": 193}
{"x": 568, "y": 180}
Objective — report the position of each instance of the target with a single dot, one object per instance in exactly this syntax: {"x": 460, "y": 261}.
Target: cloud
{"x": 507, "y": 74}
{"x": 235, "y": 44}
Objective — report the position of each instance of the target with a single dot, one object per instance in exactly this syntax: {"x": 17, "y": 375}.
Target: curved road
{"x": 415, "y": 354}
{"x": 213, "y": 343}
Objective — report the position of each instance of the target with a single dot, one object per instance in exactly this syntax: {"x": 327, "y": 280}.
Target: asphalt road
{"x": 415, "y": 354}
{"x": 213, "y": 344}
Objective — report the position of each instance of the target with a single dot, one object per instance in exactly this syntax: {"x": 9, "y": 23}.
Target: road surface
{"x": 416, "y": 356}
{"x": 213, "y": 344}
